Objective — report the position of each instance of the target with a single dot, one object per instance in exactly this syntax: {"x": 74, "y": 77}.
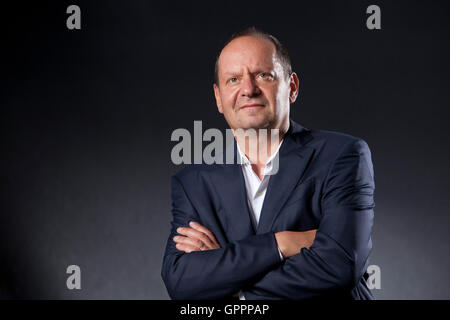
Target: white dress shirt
{"x": 256, "y": 189}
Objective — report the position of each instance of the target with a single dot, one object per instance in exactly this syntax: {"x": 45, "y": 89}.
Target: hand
{"x": 290, "y": 242}
{"x": 195, "y": 238}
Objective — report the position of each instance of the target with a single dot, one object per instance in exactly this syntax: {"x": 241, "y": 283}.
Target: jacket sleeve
{"x": 338, "y": 257}
{"x": 212, "y": 274}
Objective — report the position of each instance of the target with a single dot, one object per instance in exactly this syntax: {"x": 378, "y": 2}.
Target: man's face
{"x": 253, "y": 90}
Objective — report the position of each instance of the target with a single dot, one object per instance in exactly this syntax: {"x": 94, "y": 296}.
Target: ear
{"x": 294, "y": 85}
{"x": 218, "y": 100}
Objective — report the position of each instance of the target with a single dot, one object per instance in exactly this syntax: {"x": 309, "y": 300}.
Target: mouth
{"x": 252, "y": 106}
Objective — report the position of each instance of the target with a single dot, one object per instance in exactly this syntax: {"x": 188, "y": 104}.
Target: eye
{"x": 232, "y": 80}
{"x": 265, "y": 75}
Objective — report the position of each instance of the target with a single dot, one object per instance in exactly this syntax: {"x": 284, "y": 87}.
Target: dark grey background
{"x": 87, "y": 117}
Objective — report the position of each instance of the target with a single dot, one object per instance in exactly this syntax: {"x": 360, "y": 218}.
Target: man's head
{"x": 254, "y": 85}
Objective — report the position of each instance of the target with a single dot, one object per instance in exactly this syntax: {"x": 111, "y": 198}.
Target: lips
{"x": 251, "y": 106}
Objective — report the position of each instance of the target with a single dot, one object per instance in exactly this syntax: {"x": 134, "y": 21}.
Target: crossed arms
{"x": 316, "y": 263}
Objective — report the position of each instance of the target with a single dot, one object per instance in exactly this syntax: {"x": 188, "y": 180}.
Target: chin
{"x": 253, "y": 123}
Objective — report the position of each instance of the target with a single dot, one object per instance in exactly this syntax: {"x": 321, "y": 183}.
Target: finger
{"x": 186, "y": 248}
{"x": 188, "y": 241}
{"x": 195, "y": 234}
{"x": 199, "y": 227}
{"x": 213, "y": 242}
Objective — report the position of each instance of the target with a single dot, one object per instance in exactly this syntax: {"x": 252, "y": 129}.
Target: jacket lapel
{"x": 293, "y": 160}
{"x": 230, "y": 185}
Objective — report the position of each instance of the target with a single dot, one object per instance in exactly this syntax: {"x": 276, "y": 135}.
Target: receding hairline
{"x": 249, "y": 36}
{"x": 280, "y": 50}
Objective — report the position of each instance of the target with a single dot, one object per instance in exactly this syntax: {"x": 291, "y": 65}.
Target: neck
{"x": 260, "y": 144}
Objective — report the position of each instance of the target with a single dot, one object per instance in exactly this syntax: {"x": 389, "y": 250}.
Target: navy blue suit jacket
{"x": 325, "y": 181}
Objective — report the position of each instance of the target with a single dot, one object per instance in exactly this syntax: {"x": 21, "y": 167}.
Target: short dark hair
{"x": 281, "y": 50}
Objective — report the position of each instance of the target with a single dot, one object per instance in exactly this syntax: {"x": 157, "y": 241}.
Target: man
{"x": 303, "y": 231}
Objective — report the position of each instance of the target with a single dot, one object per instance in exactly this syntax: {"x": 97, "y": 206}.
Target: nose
{"x": 249, "y": 87}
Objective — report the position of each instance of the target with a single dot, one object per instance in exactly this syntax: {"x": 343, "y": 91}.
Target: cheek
{"x": 282, "y": 94}
{"x": 272, "y": 95}
{"x": 229, "y": 99}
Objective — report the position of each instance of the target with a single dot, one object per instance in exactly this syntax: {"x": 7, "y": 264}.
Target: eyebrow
{"x": 230, "y": 73}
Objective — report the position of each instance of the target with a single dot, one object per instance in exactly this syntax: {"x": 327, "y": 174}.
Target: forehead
{"x": 247, "y": 52}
